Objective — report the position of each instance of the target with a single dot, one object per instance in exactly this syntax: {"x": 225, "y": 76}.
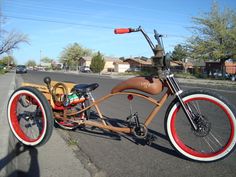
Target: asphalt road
{"x": 118, "y": 154}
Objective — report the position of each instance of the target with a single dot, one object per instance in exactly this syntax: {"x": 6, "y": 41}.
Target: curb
{"x": 54, "y": 159}
{"x": 5, "y": 131}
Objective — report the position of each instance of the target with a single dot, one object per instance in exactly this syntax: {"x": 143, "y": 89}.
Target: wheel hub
{"x": 203, "y": 126}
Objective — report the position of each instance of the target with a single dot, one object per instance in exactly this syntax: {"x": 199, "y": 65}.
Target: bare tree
{"x": 12, "y": 41}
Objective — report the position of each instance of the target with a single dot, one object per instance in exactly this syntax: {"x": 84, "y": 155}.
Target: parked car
{"x": 30, "y": 68}
{"x": 217, "y": 74}
{"x": 85, "y": 69}
{"x": 40, "y": 68}
{"x": 3, "y": 66}
{"x": 133, "y": 70}
{"x": 230, "y": 77}
{"x": 233, "y": 78}
{"x": 21, "y": 69}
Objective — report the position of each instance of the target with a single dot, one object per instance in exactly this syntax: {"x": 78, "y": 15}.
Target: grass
{"x": 2, "y": 71}
{"x": 185, "y": 75}
{"x": 147, "y": 73}
{"x": 72, "y": 142}
{"x": 138, "y": 73}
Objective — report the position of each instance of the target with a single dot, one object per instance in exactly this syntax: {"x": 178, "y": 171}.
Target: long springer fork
{"x": 177, "y": 91}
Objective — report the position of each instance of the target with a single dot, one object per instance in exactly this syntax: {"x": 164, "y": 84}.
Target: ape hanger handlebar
{"x": 157, "y": 36}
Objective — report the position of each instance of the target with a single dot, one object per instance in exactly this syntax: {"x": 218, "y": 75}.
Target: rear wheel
{"x": 214, "y": 117}
{"x": 30, "y": 116}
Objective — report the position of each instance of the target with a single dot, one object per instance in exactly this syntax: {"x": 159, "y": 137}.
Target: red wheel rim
{"x": 192, "y": 151}
{"x": 14, "y": 118}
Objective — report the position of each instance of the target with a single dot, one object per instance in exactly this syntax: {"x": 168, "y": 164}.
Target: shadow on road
{"x": 16, "y": 151}
{"x": 106, "y": 134}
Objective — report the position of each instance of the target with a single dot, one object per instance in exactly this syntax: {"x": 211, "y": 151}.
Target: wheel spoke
{"x": 217, "y": 140}
{"x": 196, "y": 106}
{"x": 208, "y": 143}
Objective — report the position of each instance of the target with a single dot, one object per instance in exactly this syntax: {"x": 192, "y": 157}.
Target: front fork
{"x": 175, "y": 88}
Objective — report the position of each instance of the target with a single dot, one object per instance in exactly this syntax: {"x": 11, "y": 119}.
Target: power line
{"x": 76, "y": 11}
{"x": 70, "y": 11}
{"x": 112, "y": 18}
{"x": 37, "y": 4}
{"x": 80, "y": 24}
{"x": 59, "y": 22}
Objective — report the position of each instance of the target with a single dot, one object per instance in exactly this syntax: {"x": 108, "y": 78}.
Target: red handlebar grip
{"x": 122, "y": 30}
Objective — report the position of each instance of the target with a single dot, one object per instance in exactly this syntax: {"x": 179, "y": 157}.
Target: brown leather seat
{"x": 149, "y": 85}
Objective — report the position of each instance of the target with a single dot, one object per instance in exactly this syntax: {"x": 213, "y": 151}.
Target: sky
{"x": 52, "y": 25}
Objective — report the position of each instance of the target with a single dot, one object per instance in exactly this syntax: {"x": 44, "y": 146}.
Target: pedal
{"x": 93, "y": 128}
{"x": 130, "y": 118}
{"x": 150, "y": 138}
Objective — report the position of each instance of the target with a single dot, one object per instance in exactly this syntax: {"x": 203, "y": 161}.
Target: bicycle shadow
{"x": 155, "y": 143}
{"x": 106, "y": 134}
{"x": 19, "y": 149}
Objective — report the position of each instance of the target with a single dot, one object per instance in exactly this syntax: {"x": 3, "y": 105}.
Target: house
{"x": 56, "y": 65}
{"x": 120, "y": 66}
{"x": 46, "y": 65}
{"x": 176, "y": 65}
{"x": 194, "y": 66}
{"x": 109, "y": 66}
{"x": 138, "y": 63}
{"x": 213, "y": 67}
{"x": 85, "y": 61}
{"x": 147, "y": 64}
{"x": 230, "y": 67}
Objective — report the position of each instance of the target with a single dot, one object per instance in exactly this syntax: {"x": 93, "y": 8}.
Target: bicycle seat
{"x": 149, "y": 85}
{"x": 83, "y": 88}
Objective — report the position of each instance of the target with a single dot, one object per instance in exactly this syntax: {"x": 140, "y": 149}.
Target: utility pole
{"x": 1, "y": 19}
{"x": 40, "y": 57}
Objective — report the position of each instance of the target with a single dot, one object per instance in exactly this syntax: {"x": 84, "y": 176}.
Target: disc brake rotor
{"x": 203, "y": 126}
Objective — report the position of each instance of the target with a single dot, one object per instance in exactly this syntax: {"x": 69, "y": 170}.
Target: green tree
{"x": 31, "y": 63}
{"x": 72, "y": 53}
{"x": 122, "y": 58}
{"x": 214, "y": 34}
{"x": 7, "y": 60}
{"x": 97, "y": 63}
{"x": 46, "y": 60}
{"x": 179, "y": 53}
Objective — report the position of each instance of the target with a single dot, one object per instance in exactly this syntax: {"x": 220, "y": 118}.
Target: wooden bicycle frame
{"x": 170, "y": 83}
{"x": 103, "y": 125}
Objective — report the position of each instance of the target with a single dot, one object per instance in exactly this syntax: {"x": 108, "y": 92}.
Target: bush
{"x": 2, "y": 71}
{"x": 97, "y": 63}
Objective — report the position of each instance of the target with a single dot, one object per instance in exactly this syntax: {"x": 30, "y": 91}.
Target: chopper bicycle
{"x": 199, "y": 123}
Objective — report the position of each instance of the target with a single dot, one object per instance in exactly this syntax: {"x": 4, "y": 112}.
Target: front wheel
{"x": 214, "y": 117}
{"x": 30, "y": 116}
